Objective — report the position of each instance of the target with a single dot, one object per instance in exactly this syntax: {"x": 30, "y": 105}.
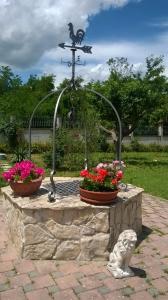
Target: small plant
{"x": 104, "y": 178}
{"x": 24, "y": 171}
{"x": 20, "y": 153}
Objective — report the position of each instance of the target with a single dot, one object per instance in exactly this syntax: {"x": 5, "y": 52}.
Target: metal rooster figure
{"x": 76, "y": 39}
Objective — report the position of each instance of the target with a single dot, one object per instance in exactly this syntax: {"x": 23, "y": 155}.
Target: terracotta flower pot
{"x": 99, "y": 198}
{"x": 26, "y": 189}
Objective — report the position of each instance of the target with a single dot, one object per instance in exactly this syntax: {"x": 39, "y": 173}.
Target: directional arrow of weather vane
{"x": 85, "y": 49}
{"x": 76, "y": 39}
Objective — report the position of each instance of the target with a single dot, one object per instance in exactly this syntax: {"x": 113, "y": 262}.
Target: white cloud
{"x": 31, "y": 31}
{"x": 161, "y": 23}
{"x": 30, "y": 28}
{"x": 96, "y": 67}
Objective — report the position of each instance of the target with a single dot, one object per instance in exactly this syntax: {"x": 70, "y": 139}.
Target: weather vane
{"x": 76, "y": 39}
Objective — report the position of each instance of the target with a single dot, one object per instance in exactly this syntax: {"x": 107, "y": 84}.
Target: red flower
{"x": 100, "y": 178}
{"x": 114, "y": 181}
{"x": 93, "y": 177}
{"x": 102, "y": 172}
{"x": 104, "y": 177}
{"x": 84, "y": 173}
{"x": 119, "y": 175}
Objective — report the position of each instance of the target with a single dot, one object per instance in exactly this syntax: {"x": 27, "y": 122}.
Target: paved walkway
{"x": 47, "y": 280}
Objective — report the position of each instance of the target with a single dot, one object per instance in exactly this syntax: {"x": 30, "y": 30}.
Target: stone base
{"x": 69, "y": 229}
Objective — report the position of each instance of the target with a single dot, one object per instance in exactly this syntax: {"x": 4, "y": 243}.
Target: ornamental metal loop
{"x": 117, "y": 115}
{"x": 52, "y": 196}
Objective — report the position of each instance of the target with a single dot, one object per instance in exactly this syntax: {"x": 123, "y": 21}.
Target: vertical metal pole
{"x": 73, "y": 67}
{"x": 86, "y": 153}
{"x": 52, "y": 195}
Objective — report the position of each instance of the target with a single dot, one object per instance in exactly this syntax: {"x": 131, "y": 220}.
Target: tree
{"x": 158, "y": 84}
{"x": 9, "y": 84}
{"x": 18, "y": 99}
{"x": 134, "y": 95}
{"x": 8, "y": 80}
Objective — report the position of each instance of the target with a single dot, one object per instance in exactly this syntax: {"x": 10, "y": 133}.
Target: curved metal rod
{"x": 116, "y": 113}
{"x": 31, "y": 118}
{"x": 51, "y": 195}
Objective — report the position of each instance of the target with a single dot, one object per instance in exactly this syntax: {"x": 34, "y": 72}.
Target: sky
{"x": 31, "y": 31}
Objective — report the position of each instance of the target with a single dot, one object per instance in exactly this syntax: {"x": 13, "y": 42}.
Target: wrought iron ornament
{"x": 76, "y": 39}
{"x": 54, "y": 192}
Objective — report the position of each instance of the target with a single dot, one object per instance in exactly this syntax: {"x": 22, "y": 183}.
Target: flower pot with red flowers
{"x": 24, "y": 178}
{"x": 100, "y": 185}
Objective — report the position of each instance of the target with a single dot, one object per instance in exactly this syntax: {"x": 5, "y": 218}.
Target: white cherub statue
{"x": 120, "y": 258}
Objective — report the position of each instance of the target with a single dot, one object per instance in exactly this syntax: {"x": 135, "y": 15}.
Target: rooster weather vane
{"x": 76, "y": 39}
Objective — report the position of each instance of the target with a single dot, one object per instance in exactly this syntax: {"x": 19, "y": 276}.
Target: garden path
{"x": 46, "y": 280}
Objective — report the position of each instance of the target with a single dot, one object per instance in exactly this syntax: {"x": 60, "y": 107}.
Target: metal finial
{"x": 76, "y": 39}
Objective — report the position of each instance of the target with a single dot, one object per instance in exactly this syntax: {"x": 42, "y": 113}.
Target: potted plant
{"x": 24, "y": 178}
{"x": 100, "y": 186}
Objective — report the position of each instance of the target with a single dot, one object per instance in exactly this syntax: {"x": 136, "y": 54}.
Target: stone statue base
{"x": 119, "y": 273}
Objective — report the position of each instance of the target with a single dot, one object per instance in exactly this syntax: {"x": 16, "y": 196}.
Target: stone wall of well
{"x": 69, "y": 229}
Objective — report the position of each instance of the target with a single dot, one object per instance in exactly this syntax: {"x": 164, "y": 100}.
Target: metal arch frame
{"x": 116, "y": 113}
{"x": 52, "y": 194}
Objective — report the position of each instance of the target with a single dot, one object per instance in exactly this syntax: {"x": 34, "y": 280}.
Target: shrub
{"x": 60, "y": 148}
{"x": 103, "y": 145}
{"x": 156, "y": 147}
{"x": 2, "y": 181}
{"x": 135, "y": 145}
{"x": 20, "y": 153}
{"x": 38, "y": 148}
{"x": 70, "y": 143}
{"x": 4, "y": 148}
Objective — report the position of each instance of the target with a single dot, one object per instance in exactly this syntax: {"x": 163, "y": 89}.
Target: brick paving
{"x": 37, "y": 280}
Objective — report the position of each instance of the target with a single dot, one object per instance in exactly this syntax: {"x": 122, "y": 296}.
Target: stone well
{"x": 69, "y": 229}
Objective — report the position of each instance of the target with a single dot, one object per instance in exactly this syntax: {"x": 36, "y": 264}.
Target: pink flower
{"x": 25, "y": 173}
{"x": 39, "y": 171}
{"x": 100, "y": 165}
{"x": 24, "y": 170}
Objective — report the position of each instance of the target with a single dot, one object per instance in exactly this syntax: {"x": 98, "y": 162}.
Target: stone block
{"x": 44, "y": 250}
{"x": 63, "y": 232}
{"x": 95, "y": 246}
{"x": 67, "y": 250}
{"x": 100, "y": 222}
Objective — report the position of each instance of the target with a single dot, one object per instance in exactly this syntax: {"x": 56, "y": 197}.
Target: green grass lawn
{"x": 148, "y": 170}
